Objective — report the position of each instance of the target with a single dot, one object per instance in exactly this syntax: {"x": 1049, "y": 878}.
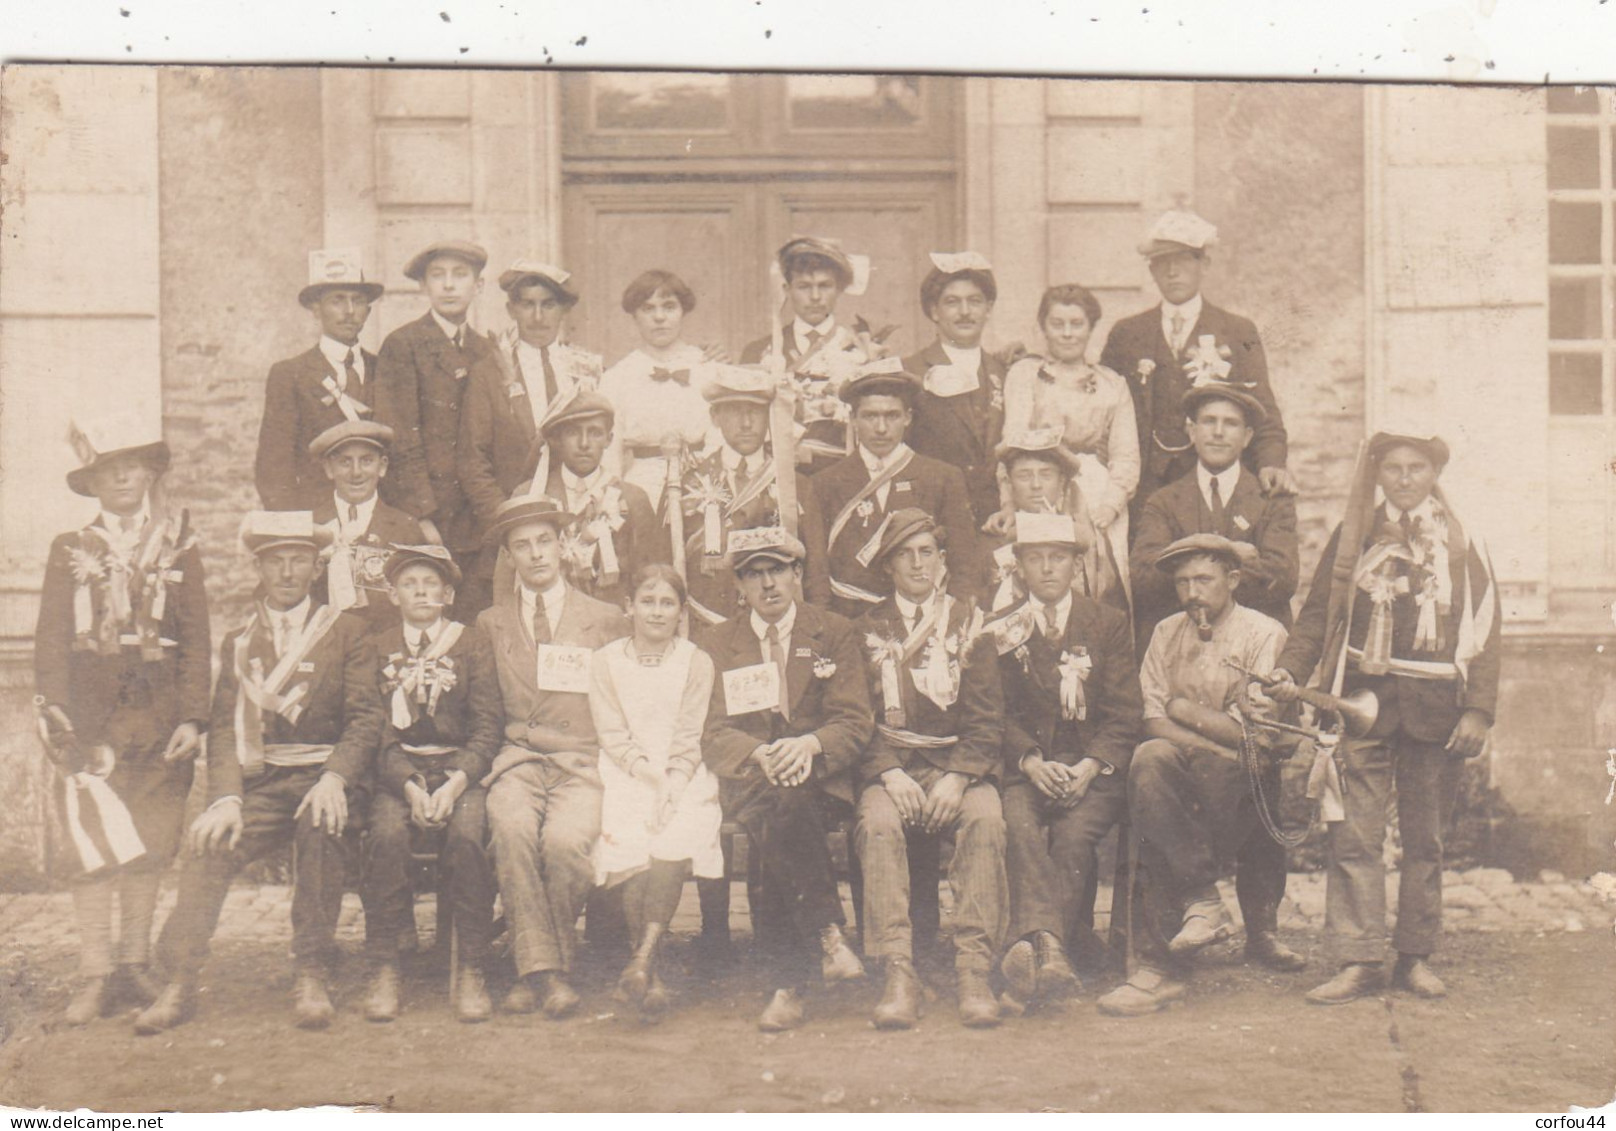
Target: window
{"x": 1581, "y": 173}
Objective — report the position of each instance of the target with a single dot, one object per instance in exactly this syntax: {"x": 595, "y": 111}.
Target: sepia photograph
{"x": 578, "y": 590}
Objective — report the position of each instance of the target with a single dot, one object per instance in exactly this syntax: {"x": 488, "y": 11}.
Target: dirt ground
{"x": 1528, "y": 1026}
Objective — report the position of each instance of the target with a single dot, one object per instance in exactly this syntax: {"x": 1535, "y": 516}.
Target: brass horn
{"x": 1358, "y": 711}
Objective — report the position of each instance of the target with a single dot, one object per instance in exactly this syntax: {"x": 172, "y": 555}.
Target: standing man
{"x": 508, "y": 394}
{"x": 421, "y": 377}
{"x": 296, "y": 723}
{"x": 884, "y": 474}
{"x": 790, "y": 713}
{"x": 1189, "y": 797}
{"x": 930, "y": 770}
{"x": 1038, "y": 470}
{"x": 544, "y": 789}
{"x": 959, "y": 414}
{"x": 1072, "y": 695}
{"x": 363, "y": 528}
{"x": 1403, "y": 603}
{"x": 1185, "y": 341}
{"x": 331, "y": 383}
{"x": 736, "y": 488}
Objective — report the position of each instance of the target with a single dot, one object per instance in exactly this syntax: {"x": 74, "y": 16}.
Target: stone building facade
{"x": 1404, "y": 250}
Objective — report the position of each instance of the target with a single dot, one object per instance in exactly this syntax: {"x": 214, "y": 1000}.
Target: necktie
{"x": 1178, "y": 330}
{"x": 420, "y": 643}
{"x": 353, "y": 512}
{"x": 541, "y": 622}
{"x": 677, "y": 376}
{"x": 742, "y": 477}
{"x": 1051, "y": 620}
{"x": 459, "y": 338}
{"x": 813, "y": 338}
{"x": 279, "y": 630}
{"x": 350, "y": 375}
{"x": 1407, "y": 523}
{"x": 551, "y": 389}
{"x": 126, "y": 523}
{"x": 1217, "y": 507}
{"x": 777, "y": 656}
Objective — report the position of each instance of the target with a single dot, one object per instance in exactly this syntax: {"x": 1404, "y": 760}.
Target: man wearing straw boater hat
{"x": 544, "y": 790}
{"x": 930, "y": 769}
{"x": 1403, "y": 604}
{"x": 295, "y": 727}
{"x": 121, "y": 673}
{"x": 335, "y": 381}
{"x": 1038, "y": 470}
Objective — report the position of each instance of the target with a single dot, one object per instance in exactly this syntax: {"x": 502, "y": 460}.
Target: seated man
{"x": 544, "y": 789}
{"x": 364, "y": 529}
{"x": 790, "y": 712}
{"x": 442, "y": 698}
{"x": 1072, "y": 694}
{"x": 1189, "y": 796}
{"x": 296, "y": 722}
{"x": 930, "y": 769}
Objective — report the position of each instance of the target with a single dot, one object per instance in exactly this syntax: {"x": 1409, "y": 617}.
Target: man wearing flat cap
{"x": 790, "y": 712}
{"x": 882, "y": 476}
{"x": 544, "y": 790}
{"x": 818, "y": 353}
{"x": 1071, "y": 694}
{"x": 510, "y": 392}
{"x": 737, "y": 487}
{"x": 421, "y": 376}
{"x": 1403, "y": 604}
{"x": 959, "y": 414}
{"x": 1189, "y": 797}
{"x": 930, "y": 769}
{"x": 295, "y": 728}
{"x": 441, "y": 695}
{"x": 1185, "y": 341}
{"x": 364, "y": 529}
{"x": 332, "y": 383}
{"x": 1039, "y": 472}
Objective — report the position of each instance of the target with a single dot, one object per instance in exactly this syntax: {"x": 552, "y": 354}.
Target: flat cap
{"x": 1198, "y": 395}
{"x": 1236, "y": 554}
{"x": 265, "y": 530}
{"x": 757, "y": 543}
{"x": 525, "y": 271}
{"x": 900, "y": 526}
{"x": 739, "y": 383}
{"x": 360, "y": 431}
{"x": 1435, "y": 447}
{"x": 885, "y": 377}
{"x": 438, "y": 557}
{"x": 473, "y": 254}
{"x": 580, "y": 404}
{"x": 1178, "y": 231}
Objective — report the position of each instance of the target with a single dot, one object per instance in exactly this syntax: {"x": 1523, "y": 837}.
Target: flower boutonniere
{"x": 1075, "y": 666}
{"x": 866, "y": 511}
{"x": 1147, "y": 366}
{"x": 824, "y": 667}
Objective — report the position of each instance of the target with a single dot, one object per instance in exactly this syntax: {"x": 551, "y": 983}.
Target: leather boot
{"x": 559, "y": 998}
{"x": 1265, "y": 949}
{"x": 1056, "y": 978}
{"x": 899, "y": 1007}
{"x": 1020, "y": 969}
{"x": 655, "y": 1004}
{"x": 978, "y": 1009}
{"x": 783, "y": 1012}
{"x": 1147, "y": 991}
{"x": 311, "y": 1004}
{"x": 521, "y": 997}
{"x": 635, "y": 980}
{"x": 381, "y": 1001}
{"x": 92, "y": 996}
{"x": 136, "y": 984}
{"x": 1355, "y": 980}
{"x": 839, "y": 963}
{"x": 472, "y": 1003}
{"x": 1206, "y": 921}
{"x": 1412, "y": 974}
{"x": 173, "y": 1005}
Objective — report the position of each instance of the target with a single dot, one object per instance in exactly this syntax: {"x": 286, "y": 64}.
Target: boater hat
{"x": 355, "y": 431}
{"x": 521, "y": 510}
{"x": 1038, "y": 529}
{"x": 1237, "y": 555}
{"x": 98, "y": 440}
{"x": 525, "y": 271}
{"x": 1036, "y": 441}
{"x": 438, "y": 557}
{"x": 334, "y": 270}
{"x": 264, "y": 530}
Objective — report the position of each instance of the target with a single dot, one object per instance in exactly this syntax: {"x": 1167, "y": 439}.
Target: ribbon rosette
{"x": 1208, "y": 362}
{"x": 1075, "y": 666}
{"x": 886, "y": 653}
{"x": 824, "y": 667}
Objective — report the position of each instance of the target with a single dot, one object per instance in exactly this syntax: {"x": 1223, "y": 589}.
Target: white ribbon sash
{"x": 418, "y": 673}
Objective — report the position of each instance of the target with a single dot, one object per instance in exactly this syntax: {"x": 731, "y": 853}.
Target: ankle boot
{"x": 635, "y": 980}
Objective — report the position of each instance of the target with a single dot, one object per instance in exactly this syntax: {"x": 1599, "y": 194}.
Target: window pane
{"x": 1573, "y": 157}
{"x": 854, "y": 102}
{"x": 1573, "y": 232}
{"x": 1576, "y": 387}
{"x": 1573, "y": 100}
{"x": 1574, "y": 309}
{"x": 681, "y": 102}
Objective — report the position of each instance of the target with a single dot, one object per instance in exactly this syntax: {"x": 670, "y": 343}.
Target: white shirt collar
{"x": 294, "y": 617}
{"x": 554, "y": 597}
{"x": 412, "y": 634}
{"x": 525, "y": 346}
{"x": 449, "y": 328}
{"x": 362, "y": 523}
{"x": 800, "y": 330}
{"x": 1421, "y": 512}
{"x": 1063, "y": 610}
{"x": 783, "y": 626}
{"x": 581, "y": 484}
{"x": 114, "y": 522}
{"x": 907, "y": 609}
{"x": 336, "y": 353}
{"x": 732, "y": 459}
{"x": 875, "y": 464}
{"x": 1191, "y": 311}
{"x": 969, "y": 360}
{"x": 1227, "y": 479}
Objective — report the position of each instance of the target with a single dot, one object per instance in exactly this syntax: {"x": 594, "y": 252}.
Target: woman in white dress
{"x": 1092, "y": 410}
{"x": 655, "y": 388}
{"x": 659, "y": 815}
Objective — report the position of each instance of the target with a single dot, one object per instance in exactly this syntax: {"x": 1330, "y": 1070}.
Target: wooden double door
{"x": 707, "y": 175}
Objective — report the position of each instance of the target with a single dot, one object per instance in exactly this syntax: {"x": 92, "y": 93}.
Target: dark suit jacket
{"x": 641, "y": 538}
{"x": 833, "y": 705}
{"x": 713, "y": 583}
{"x": 340, "y": 709}
{"x": 935, "y": 487}
{"x": 1116, "y": 707}
{"x": 295, "y": 412}
{"x": 389, "y": 526}
{"x": 421, "y": 378}
{"x": 977, "y": 716}
{"x": 556, "y": 723}
{"x": 469, "y": 716}
{"x": 1425, "y": 709}
{"x": 1158, "y": 399}
{"x": 1178, "y": 510}
{"x": 499, "y": 445}
{"x": 963, "y": 430}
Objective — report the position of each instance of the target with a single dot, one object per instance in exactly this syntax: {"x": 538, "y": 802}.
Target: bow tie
{"x": 678, "y": 376}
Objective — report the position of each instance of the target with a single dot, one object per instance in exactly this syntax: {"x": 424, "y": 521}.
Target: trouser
{"x": 468, "y": 874}
{"x": 796, "y": 896}
{"x": 976, "y": 874}
{"x": 136, "y": 889}
{"x": 543, "y": 821}
{"x": 268, "y": 822}
{"x": 1191, "y": 810}
{"x": 1426, "y": 779}
{"x": 1051, "y": 852}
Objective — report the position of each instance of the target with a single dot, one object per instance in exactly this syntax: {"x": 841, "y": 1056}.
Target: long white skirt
{"x": 628, "y": 845}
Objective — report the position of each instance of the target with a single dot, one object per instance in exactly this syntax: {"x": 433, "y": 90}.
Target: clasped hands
{"x": 933, "y": 811}
{"x": 432, "y": 810}
{"x": 1065, "y": 785}
{"x": 787, "y": 761}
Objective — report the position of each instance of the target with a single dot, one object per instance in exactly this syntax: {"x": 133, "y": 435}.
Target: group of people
{"x": 583, "y": 623}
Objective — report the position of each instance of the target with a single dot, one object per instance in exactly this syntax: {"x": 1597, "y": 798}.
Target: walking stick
{"x": 672, "y": 450}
